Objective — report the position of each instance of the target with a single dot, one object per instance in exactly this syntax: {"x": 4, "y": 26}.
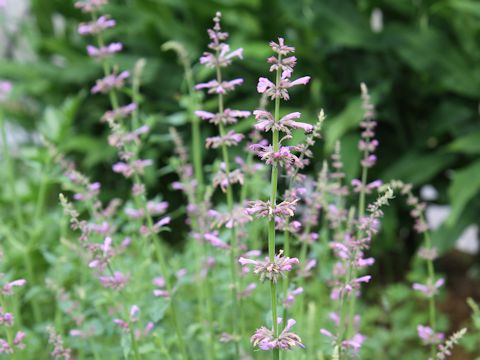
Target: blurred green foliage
{"x": 421, "y": 66}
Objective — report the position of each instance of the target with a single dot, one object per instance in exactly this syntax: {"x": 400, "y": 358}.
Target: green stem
{"x": 20, "y": 221}
{"x": 156, "y": 239}
{"x": 431, "y": 300}
{"x": 10, "y": 171}
{"x": 273, "y": 203}
{"x": 8, "y": 330}
{"x": 209, "y": 308}
{"x": 234, "y": 240}
{"x": 160, "y": 254}
{"x": 134, "y": 343}
{"x": 127, "y": 316}
{"x": 96, "y": 355}
{"x": 197, "y": 146}
{"x": 303, "y": 263}
{"x": 361, "y": 213}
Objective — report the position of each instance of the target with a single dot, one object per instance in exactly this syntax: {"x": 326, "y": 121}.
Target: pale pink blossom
{"x": 104, "y": 51}
{"x": 264, "y": 338}
{"x": 95, "y": 27}
{"x": 228, "y": 116}
{"x": 89, "y": 6}
{"x": 214, "y": 87}
{"x": 271, "y": 270}
{"x": 110, "y": 82}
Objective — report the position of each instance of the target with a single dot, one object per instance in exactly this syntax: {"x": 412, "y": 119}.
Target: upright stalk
{"x": 361, "y": 214}
{"x": 20, "y": 221}
{"x": 160, "y": 253}
{"x": 431, "y": 300}
{"x": 233, "y": 243}
{"x": 273, "y": 203}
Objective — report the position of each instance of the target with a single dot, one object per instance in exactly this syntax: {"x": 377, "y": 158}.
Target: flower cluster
{"x": 266, "y": 122}
{"x": 7, "y": 319}
{"x": 265, "y": 338}
{"x": 90, "y": 6}
{"x": 225, "y": 117}
{"x": 271, "y": 270}
{"x": 5, "y": 89}
{"x": 59, "y": 350}
{"x": 368, "y": 143}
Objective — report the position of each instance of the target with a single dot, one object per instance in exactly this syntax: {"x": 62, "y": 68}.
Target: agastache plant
{"x": 13, "y": 343}
{"x": 128, "y": 141}
{"x": 218, "y": 58}
{"x": 278, "y": 156}
{"x": 430, "y": 288}
{"x": 353, "y": 233}
{"x": 367, "y": 146}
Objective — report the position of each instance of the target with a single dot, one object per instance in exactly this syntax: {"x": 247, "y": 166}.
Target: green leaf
{"x": 465, "y": 6}
{"x": 469, "y": 144}
{"x": 465, "y": 185}
{"x": 157, "y": 310}
{"x": 447, "y": 234}
{"x": 418, "y": 168}
{"x": 337, "y": 126}
{"x": 126, "y": 345}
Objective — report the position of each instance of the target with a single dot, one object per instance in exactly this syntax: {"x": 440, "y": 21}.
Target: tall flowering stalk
{"x": 277, "y": 155}
{"x": 367, "y": 145}
{"x": 353, "y": 232}
{"x": 220, "y": 57}
{"x": 14, "y": 340}
{"x": 192, "y": 103}
{"x": 429, "y": 289}
{"x": 128, "y": 141}
{"x": 198, "y": 220}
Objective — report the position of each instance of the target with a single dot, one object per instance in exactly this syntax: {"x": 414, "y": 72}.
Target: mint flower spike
{"x": 220, "y": 57}
{"x": 279, "y": 157}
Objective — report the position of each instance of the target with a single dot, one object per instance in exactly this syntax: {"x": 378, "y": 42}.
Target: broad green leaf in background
{"x": 465, "y": 186}
{"x": 337, "y": 126}
{"x": 418, "y": 168}
{"x": 468, "y": 144}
